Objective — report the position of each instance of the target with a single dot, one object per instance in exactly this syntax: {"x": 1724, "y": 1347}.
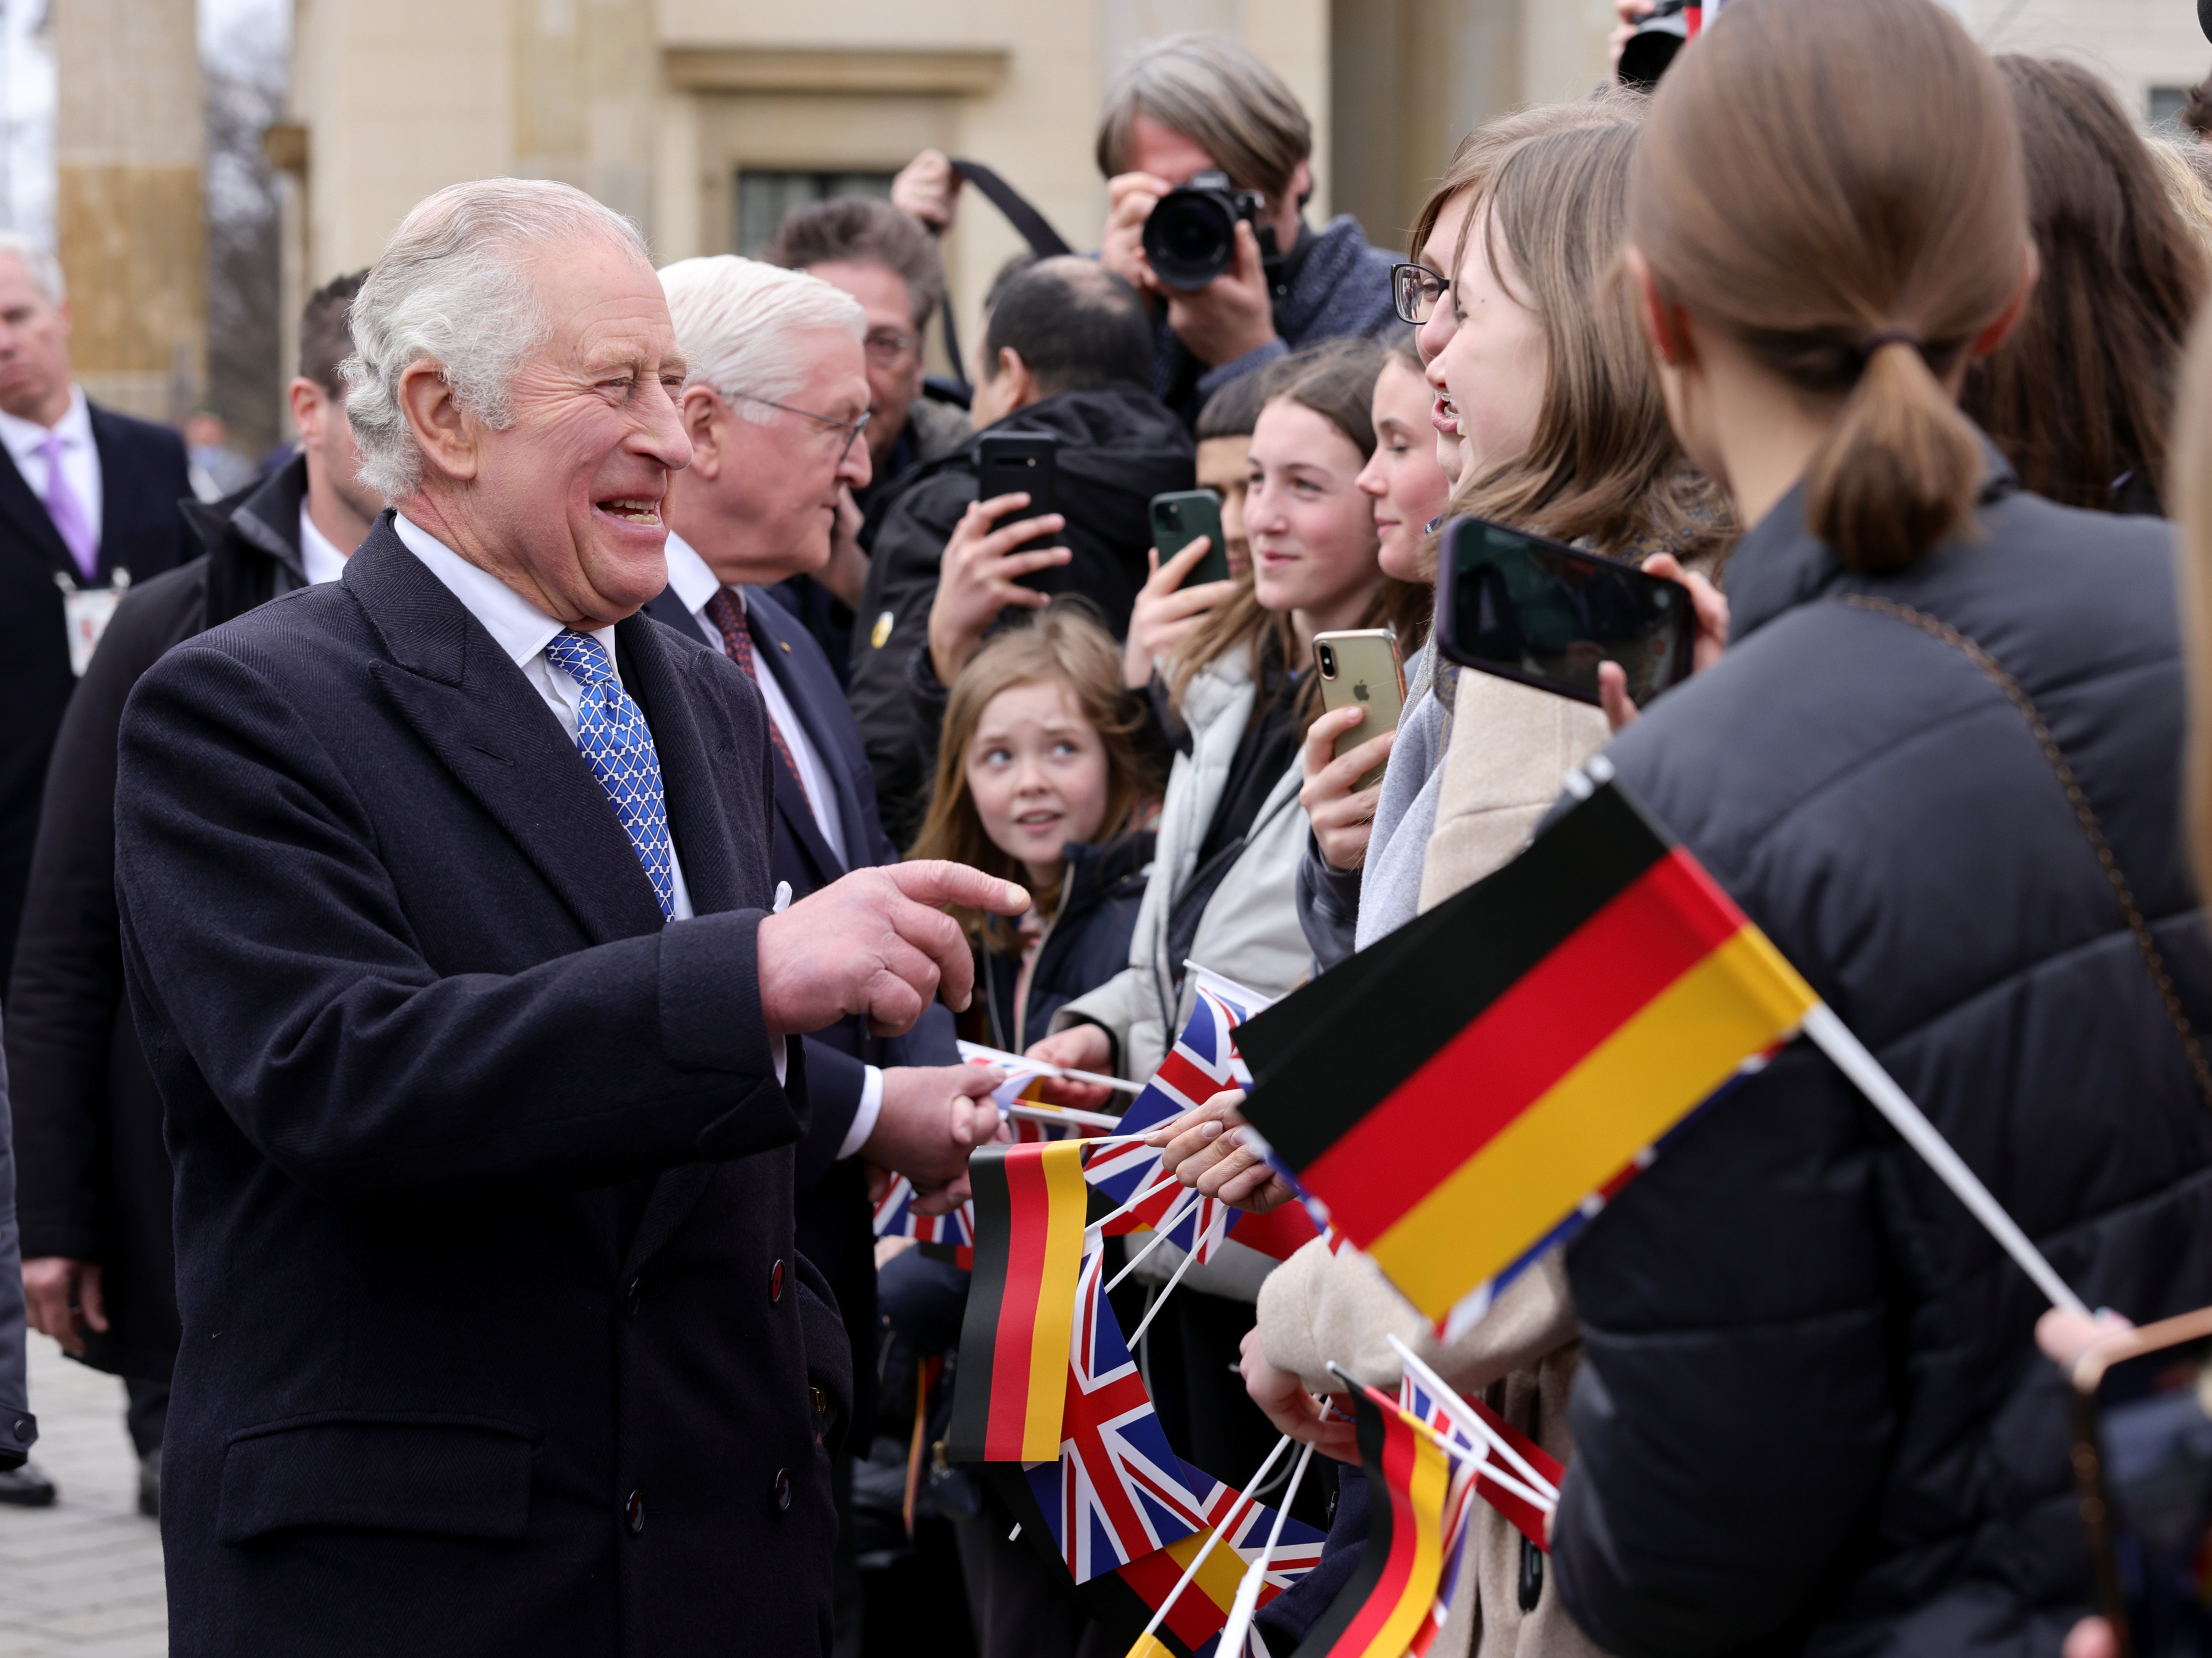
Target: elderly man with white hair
{"x": 449, "y": 925}
{"x": 775, "y": 409}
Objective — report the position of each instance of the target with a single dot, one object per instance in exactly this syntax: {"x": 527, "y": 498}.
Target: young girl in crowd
{"x": 2078, "y": 397}
{"x": 1040, "y": 779}
{"x": 1868, "y": 788}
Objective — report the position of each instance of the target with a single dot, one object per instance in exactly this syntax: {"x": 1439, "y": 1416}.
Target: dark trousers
{"x": 1022, "y": 1605}
{"x": 146, "y": 1413}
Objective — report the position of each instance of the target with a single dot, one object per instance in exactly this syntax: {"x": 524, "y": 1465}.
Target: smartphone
{"x": 1181, "y": 517}
{"x": 1359, "y": 668}
{"x": 1534, "y": 610}
{"x": 2142, "y": 1467}
{"x": 1011, "y": 462}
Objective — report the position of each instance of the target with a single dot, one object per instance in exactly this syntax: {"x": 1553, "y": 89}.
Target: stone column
{"x": 129, "y": 222}
{"x": 587, "y": 73}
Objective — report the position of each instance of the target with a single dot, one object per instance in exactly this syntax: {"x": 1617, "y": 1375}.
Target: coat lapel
{"x": 473, "y": 708}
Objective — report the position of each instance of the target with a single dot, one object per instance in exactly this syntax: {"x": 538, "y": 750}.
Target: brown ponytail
{"x": 1839, "y": 186}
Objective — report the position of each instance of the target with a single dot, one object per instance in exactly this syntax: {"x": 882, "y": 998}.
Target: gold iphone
{"x": 1359, "y": 668}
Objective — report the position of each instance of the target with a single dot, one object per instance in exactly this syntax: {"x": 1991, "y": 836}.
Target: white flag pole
{"x": 1169, "y": 1222}
{"x": 1834, "y": 1038}
{"x": 1214, "y": 1535}
{"x": 1232, "y": 1644}
{"x": 1469, "y": 1421}
{"x": 1166, "y": 1289}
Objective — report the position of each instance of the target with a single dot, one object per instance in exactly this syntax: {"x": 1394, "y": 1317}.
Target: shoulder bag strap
{"x": 2084, "y": 813}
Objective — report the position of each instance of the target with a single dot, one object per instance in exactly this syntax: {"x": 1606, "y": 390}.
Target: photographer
{"x": 1197, "y": 104}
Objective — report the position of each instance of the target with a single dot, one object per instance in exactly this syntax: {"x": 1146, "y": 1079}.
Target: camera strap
{"x": 2154, "y": 960}
{"x": 1035, "y": 229}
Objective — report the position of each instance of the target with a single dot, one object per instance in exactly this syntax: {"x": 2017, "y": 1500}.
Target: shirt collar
{"x": 516, "y": 625}
{"x": 22, "y": 437}
{"x": 320, "y": 558}
{"x": 689, "y": 576}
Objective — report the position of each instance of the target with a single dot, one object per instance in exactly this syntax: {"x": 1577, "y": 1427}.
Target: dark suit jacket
{"x": 143, "y": 477}
{"x": 93, "y": 1177}
{"x": 834, "y": 1232}
{"x": 495, "y": 1340}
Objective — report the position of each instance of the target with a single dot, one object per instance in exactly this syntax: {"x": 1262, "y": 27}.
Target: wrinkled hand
{"x": 1295, "y": 1412}
{"x": 1078, "y": 1047}
{"x": 1342, "y": 816}
{"x": 1206, "y": 1147}
{"x": 980, "y": 576}
{"x": 927, "y": 189}
{"x": 1631, "y": 14}
{"x": 1166, "y": 612}
{"x": 1130, "y": 199}
{"x": 932, "y": 1116}
{"x": 1711, "y": 609}
{"x": 1232, "y": 314}
{"x": 846, "y": 572}
{"x": 875, "y": 944}
{"x": 62, "y": 1298}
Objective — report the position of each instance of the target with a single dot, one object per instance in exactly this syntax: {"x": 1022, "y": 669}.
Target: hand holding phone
{"x": 1180, "y": 518}
{"x": 1013, "y": 463}
{"x": 1359, "y": 668}
{"x": 983, "y": 573}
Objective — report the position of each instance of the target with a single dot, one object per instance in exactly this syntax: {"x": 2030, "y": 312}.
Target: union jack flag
{"x": 895, "y": 1217}
{"x": 1297, "y": 1552}
{"x": 1117, "y": 1492}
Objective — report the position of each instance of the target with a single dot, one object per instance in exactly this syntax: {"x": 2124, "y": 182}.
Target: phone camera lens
{"x": 1325, "y": 657}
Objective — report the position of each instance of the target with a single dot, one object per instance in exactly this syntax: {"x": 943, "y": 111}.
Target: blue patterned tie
{"x": 612, "y": 736}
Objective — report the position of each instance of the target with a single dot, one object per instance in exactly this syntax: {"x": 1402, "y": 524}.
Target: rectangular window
{"x": 764, "y": 197}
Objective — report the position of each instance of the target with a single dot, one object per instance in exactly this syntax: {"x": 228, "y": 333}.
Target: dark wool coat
{"x": 93, "y": 1176}
{"x": 1812, "y": 1417}
{"x": 494, "y": 1338}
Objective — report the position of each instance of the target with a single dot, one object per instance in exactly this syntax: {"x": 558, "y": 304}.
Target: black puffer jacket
{"x": 1087, "y": 945}
{"x": 1812, "y": 1417}
{"x": 1119, "y": 446}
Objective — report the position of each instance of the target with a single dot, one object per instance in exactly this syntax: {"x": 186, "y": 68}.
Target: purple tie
{"x": 67, "y": 511}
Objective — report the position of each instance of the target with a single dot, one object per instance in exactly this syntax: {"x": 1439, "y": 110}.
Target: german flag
{"x": 1455, "y": 1092}
{"x": 1030, "y": 1202}
{"x": 1387, "y": 1599}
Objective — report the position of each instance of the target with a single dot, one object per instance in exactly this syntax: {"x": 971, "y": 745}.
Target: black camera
{"x": 1190, "y": 237}
{"x": 1653, "y": 46}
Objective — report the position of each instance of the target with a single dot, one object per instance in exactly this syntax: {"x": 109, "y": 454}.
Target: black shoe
{"x": 150, "y": 1485}
{"x": 27, "y": 1488}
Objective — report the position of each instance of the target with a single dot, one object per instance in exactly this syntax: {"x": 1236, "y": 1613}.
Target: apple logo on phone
{"x": 1359, "y": 691}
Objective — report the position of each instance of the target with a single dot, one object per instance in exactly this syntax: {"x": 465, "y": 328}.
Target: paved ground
{"x": 83, "y": 1578}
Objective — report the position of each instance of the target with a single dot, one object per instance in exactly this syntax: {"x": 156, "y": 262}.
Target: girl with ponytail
{"x": 1938, "y": 765}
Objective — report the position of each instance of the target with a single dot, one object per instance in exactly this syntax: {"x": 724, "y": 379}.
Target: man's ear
{"x": 2031, "y": 272}
{"x": 1013, "y": 375}
{"x": 306, "y": 401}
{"x": 446, "y": 433}
{"x": 1666, "y": 324}
{"x": 704, "y": 424}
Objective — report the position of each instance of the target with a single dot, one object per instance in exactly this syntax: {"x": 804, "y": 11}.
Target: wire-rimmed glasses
{"x": 852, "y": 428}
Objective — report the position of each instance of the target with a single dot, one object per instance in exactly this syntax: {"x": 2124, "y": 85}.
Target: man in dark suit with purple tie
{"x": 89, "y": 504}
{"x": 450, "y": 927}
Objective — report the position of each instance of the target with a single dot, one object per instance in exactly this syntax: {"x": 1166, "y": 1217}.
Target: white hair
{"x": 738, "y": 322}
{"x": 45, "y": 270}
{"x": 453, "y": 287}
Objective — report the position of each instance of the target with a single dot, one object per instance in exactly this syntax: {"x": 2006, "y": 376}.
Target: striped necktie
{"x": 728, "y": 612}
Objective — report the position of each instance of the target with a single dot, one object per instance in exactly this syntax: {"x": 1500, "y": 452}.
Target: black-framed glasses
{"x": 852, "y": 428}
{"x": 1415, "y": 289}
{"x": 887, "y": 345}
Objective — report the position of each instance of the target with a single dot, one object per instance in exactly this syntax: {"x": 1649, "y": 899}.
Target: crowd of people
{"x": 490, "y": 906}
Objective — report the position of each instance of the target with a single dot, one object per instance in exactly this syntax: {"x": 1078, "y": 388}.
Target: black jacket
{"x": 1812, "y": 1415}
{"x": 494, "y": 1338}
{"x": 1087, "y": 945}
{"x": 93, "y": 1176}
{"x": 143, "y": 477}
{"x": 833, "y": 1217}
{"x": 1119, "y": 447}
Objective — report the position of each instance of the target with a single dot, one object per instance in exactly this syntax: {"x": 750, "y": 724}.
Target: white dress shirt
{"x": 694, "y": 583}
{"x": 80, "y": 455}
{"x": 319, "y": 556}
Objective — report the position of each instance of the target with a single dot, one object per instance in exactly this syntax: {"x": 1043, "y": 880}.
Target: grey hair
{"x": 453, "y": 287}
{"x": 45, "y": 270}
{"x": 1220, "y": 96}
{"x": 738, "y": 322}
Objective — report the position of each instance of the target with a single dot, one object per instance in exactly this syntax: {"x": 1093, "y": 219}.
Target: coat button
{"x": 782, "y": 1489}
{"x": 632, "y": 1296}
{"x": 634, "y": 1512}
{"x": 23, "y": 1428}
{"x": 776, "y": 1283}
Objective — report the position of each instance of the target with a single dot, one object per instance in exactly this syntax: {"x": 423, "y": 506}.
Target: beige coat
{"x": 1511, "y": 745}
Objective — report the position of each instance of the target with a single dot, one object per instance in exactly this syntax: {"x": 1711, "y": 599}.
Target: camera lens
{"x": 1190, "y": 238}
{"x": 1325, "y": 657}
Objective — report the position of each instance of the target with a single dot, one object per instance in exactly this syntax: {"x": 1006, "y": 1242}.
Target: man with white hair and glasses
{"x": 449, "y": 925}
